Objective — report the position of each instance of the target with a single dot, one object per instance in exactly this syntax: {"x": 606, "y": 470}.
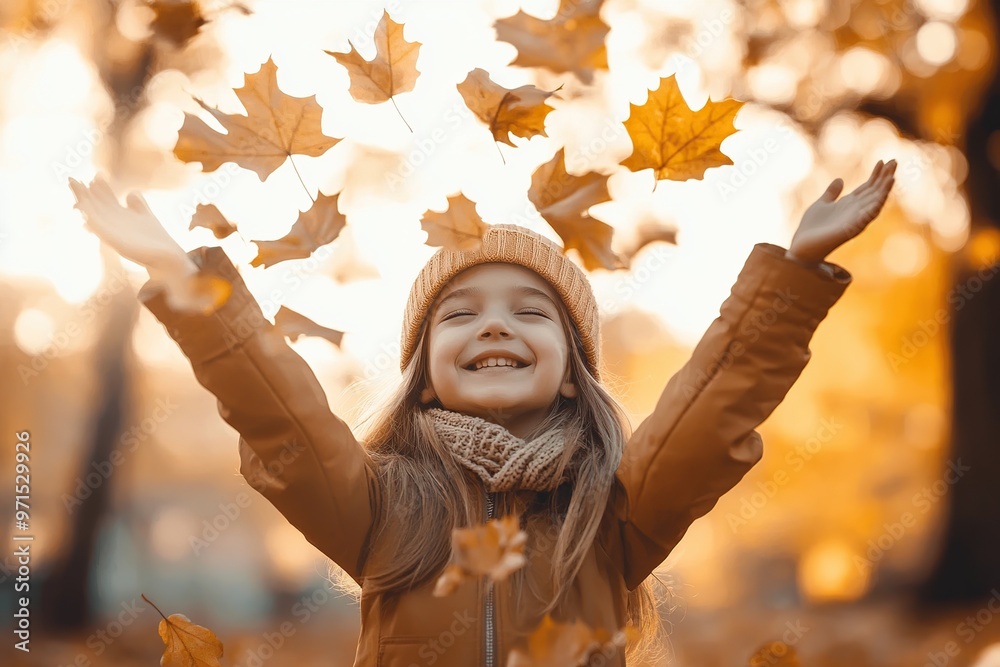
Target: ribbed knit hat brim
{"x": 512, "y": 244}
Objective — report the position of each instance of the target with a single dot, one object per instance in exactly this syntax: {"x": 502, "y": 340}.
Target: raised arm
{"x": 700, "y": 440}
{"x": 294, "y": 450}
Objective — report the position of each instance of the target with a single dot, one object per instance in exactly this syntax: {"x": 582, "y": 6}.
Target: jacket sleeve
{"x": 700, "y": 440}
{"x": 293, "y": 449}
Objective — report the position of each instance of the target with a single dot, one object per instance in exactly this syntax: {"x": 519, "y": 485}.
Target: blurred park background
{"x": 867, "y": 535}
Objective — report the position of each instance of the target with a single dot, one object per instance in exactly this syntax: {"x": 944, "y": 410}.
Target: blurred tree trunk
{"x": 968, "y": 565}
{"x": 65, "y": 604}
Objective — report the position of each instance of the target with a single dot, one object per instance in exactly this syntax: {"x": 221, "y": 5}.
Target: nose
{"x": 494, "y": 327}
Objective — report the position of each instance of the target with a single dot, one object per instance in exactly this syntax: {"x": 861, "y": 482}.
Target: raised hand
{"x": 830, "y": 222}
{"x": 136, "y": 234}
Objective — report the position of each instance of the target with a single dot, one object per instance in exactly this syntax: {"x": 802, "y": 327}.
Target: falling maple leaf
{"x": 211, "y": 218}
{"x": 136, "y": 234}
{"x": 186, "y": 644}
{"x": 458, "y": 227}
{"x": 177, "y": 21}
{"x": 556, "y": 643}
{"x": 552, "y": 643}
{"x": 646, "y": 233}
{"x": 293, "y": 325}
{"x": 564, "y": 199}
{"x": 775, "y": 654}
{"x": 495, "y": 550}
{"x": 520, "y": 111}
{"x": 392, "y": 71}
{"x": 573, "y": 41}
{"x": 674, "y": 141}
{"x": 316, "y": 227}
{"x": 276, "y": 126}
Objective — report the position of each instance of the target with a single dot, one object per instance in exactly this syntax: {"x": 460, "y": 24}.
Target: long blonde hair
{"x": 431, "y": 494}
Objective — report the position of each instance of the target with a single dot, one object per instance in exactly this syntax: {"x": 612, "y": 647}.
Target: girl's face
{"x": 508, "y": 317}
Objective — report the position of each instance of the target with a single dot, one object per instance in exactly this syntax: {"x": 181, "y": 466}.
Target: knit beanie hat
{"x": 512, "y": 244}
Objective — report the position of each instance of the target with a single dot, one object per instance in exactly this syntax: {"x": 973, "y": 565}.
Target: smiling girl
{"x": 500, "y": 410}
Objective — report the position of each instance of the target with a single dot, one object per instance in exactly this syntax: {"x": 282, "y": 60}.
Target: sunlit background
{"x": 89, "y": 87}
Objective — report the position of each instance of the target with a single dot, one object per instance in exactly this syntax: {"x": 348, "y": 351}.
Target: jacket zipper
{"x": 489, "y": 597}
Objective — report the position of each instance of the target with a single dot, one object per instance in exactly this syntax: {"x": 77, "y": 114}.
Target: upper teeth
{"x": 497, "y": 361}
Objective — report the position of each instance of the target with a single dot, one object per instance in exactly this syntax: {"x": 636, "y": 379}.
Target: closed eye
{"x": 456, "y": 314}
{"x": 533, "y": 311}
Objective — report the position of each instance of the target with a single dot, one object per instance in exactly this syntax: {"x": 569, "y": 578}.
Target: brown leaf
{"x": 520, "y": 111}
{"x": 187, "y": 644}
{"x": 649, "y": 232}
{"x": 211, "y": 218}
{"x": 495, "y": 550}
{"x": 553, "y": 643}
{"x": 177, "y": 21}
{"x": 392, "y": 71}
{"x": 276, "y": 126}
{"x": 674, "y": 141}
{"x": 564, "y": 199}
{"x": 293, "y": 325}
{"x": 573, "y": 41}
{"x": 316, "y": 227}
{"x": 775, "y": 654}
{"x": 459, "y": 227}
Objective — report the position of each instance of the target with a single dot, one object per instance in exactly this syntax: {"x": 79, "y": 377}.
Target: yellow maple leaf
{"x": 276, "y": 126}
{"x": 316, "y": 227}
{"x": 393, "y": 70}
{"x": 520, "y": 111}
{"x": 495, "y": 550}
{"x": 186, "y": 644}
{"x": 674, "y": 141}
{"x": 563, "y": 199}
{"x": 572, "y": 41}
{"x": 458, "y": 227}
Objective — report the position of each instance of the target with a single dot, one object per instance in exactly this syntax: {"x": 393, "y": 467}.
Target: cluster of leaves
{"x": 669, "y": 138}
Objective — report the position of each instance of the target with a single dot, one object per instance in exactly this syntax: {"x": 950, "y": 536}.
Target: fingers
{"x": 878, "y": 180}
{"x": 833, "y": 190}
{"x": 136, "y": 202}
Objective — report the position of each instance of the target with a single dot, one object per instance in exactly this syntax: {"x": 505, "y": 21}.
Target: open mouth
{"x": 495, "y": 365}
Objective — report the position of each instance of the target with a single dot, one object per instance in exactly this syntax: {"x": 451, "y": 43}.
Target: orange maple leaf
{"x": 552, "y": 643}
{"x": 315, "y": 227}
{"x": 495, "y": 550}
{"x": 458, "y": 227}
{"x": 187, "y": 644}
{"x": 556, "y": 643}
{"x": 294, "y": 324}
{"x": 392, "y": 71}
{"x": 674, "y": 141}
{"x": 564, "y": 199}
{"x": 572, "y": 41}
{"x": 276, "y": 126}
{"x": 520, "y": 111}
{"x": 211, "y": 218}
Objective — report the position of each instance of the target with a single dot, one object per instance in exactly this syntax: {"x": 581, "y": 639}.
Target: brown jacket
{"x": 695, "y": 446}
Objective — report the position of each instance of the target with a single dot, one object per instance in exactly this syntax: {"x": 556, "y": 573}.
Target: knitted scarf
{"x": 501, "y": 459}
